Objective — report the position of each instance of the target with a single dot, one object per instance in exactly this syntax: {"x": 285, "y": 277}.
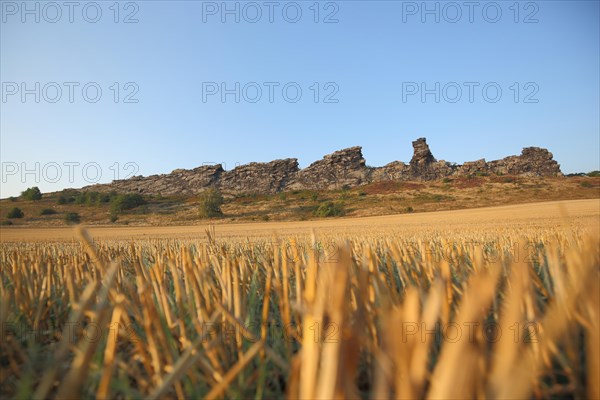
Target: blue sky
{"x": 369, "y": 60}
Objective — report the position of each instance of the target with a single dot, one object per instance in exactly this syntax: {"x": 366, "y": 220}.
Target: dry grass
{"x": 443, "y": 308}
{"x": 582, "y": 214}
{"x": 381, "y": 198}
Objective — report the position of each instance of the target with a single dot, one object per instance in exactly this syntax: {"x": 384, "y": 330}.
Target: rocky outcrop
{"x": 422, "y": 156}
{"x": 422, "y": 166}
{"x": 180, "y": 181}
{"x": 343, "y": 168}
{"x": 470, "y": 168}
{"x": 533, "y": 161}
{"x": 268, "y": 177}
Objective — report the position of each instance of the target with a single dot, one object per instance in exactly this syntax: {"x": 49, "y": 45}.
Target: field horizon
{"x": 583, "y": 213}
{"x": 378, "y": 198}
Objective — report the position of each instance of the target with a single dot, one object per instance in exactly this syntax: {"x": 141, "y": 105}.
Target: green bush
{"x": 586, "y": 184}
{"x": 594, "y": 174}
{"x": 15, "y": 212}
{"x": 92, "y": 198}
{"x": 33, "y": 193}
{"x": 6, "y": 222}
{"x": 408, "y": 209}
{"x": 88, "y": 198}
{"x": 12, "y": 199}
{"x": 211, "y": 201}
{"x": 330, "y": 209}
{"x": 48, "y": 211}
{"x": 81, "y": 198}
{"x": 72, "y": 218}
{"x": 104, "y": 198}
{"x": 124, "y": 202}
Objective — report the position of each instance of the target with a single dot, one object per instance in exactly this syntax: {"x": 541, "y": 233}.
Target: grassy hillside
{"x": 380, "y": 198}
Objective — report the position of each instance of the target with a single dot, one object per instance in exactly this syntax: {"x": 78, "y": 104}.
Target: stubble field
{"x": 499, "y": 302}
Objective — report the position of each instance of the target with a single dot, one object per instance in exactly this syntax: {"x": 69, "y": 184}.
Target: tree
{"x": 15, "y": 212}
{"x": 48, "y": 211}
{"x": 125, "y": 202}
{"x": 33, "y": 193}
{"x": 330, "y": 209}
{"x": 211, "y": 201}
{"x": 72, "y": 218}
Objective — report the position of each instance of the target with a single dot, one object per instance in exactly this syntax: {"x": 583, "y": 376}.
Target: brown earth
{"x": 575, "y": 214}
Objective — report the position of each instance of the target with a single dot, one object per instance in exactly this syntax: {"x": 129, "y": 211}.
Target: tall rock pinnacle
{"x": 421, "y": 154}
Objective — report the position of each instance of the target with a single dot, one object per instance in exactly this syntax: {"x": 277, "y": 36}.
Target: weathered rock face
{"x": 268, "y": 177}
{"x": 422, "y": 156}
{"x": 394, "y": 171}
{"x": 180, "y": 181}
{"x": 533, "y": 161}
{"x": 334, "y": 171}
{"x": 479, "y": 167}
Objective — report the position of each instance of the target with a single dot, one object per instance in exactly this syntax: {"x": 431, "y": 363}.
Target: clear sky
{"x": 369, "y": 73}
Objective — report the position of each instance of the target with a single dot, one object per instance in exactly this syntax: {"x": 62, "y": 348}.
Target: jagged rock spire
{"x": 421, "y": 154}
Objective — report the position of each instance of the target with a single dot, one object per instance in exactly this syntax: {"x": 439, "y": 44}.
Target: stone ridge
{"x": 343, "y": 168}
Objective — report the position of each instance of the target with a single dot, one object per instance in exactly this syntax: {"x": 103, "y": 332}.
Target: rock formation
{"x": 422, "y": 156}
{"x": 343, "y": 168}
{"x": 268, "y": 177}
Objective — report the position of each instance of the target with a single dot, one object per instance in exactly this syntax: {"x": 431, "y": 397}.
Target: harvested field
{"x": 498, "y": 302}
{"x": 581, "y": 213}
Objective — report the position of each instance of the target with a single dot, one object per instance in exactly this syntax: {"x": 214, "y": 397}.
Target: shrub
{"x": 586, "y": 184}
{"x": 15, "y": 212}
{"x": 114, "y": 217}
{"x": 594, "y": 174}
{"x": 125, "y": 202}
{"x": 330, "y": 209}
{"x": 314, "y": 196}
{"x": 33, "y": 193}
{"x": 66, "y": 196}
{"x": 87, "y": 198}
{"x": 92, "y": 198}
{"x": 408, "y": 209}
{"x": 72, "y": 218}
{"x": 48, "y": 211}
{"x": 80, "y": 198}
{"x": 447, "y": 180}
{"x": 211, "y": 201}
{"x": 6, "y": 222}
{"x": 12, "y": 199}
{"x": 104, "y": 198}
